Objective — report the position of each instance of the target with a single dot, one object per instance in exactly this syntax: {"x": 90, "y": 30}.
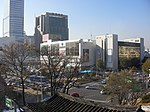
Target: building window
{"x": 55, "y": 49}
{"x": 136, "y": 40}
{"x": 72, "y": 49}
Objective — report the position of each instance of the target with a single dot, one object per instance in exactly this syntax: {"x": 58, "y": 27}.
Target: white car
{"x": 90, "y": 87}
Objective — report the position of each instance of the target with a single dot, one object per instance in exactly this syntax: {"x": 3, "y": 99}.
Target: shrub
{"x": 146, "y": 99}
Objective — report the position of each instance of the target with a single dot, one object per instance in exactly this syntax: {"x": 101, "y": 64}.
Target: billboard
{"x": 85, "y": 55}
{"x": 53, "y": 37}
{"x": 129, "y": 50}
{"x": 45, "y": 37}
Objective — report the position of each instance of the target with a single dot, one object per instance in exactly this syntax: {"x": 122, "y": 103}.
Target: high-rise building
{"x": 53, "y": 24}
{"x": 107, "y": 50}
{"x": 13, "y": 21}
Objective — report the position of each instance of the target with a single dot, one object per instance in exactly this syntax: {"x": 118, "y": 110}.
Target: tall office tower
{"x": 13, "y": 22}
{"x": 52, "y": 26}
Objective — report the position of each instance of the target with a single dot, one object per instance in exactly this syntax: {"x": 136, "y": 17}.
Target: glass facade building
{"x": 53, "y": 24}
{"x": 72, "y": 49}
{"x": 129, "y": 50}
{"x": 129, "y": 55}
{"x": 13, "y": 21}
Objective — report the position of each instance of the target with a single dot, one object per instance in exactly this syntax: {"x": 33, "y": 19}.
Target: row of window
{"x": 72, "y": 49}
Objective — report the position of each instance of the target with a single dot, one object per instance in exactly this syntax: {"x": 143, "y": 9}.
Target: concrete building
{"x": 107, "y": 50}
{"x": 105, "y": 47}
{"x": 53, "y": 24}
{"x": 6, "y": 41}
{"x": 137, "y": 43}
{"x": 13, "y": 21}
{"x": 80, "y": 49}
{"x": 29, "y": 39}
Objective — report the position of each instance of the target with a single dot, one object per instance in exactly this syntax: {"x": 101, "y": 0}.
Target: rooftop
{"x": 66, "y": 103}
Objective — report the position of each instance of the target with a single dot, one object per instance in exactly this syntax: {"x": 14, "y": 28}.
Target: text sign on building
{"x": 53, "y": 37}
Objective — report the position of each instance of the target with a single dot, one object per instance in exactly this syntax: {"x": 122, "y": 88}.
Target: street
{"x": 90, "y": 94}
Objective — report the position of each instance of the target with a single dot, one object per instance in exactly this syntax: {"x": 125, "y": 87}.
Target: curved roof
{"x": 65, "y": 103}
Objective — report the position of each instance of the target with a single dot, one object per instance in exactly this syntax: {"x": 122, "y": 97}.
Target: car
{"x": 103, "y": 92}
{"x": 103, "y": 81}
{"x": 75, "y": 94}
{"x": 91, "y": 87}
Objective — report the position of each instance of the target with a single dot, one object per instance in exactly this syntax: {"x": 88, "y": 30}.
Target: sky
{"x": 89, "y": 18}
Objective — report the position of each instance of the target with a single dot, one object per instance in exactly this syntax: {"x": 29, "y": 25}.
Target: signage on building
{"x": 45, "y": 37}
{"x": 8, "y": 102}
{"x": 85, "y": 55}
{"x": 53, "y": 37}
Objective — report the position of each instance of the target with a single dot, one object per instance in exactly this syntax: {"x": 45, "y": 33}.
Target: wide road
{"x": 90, "y": 93}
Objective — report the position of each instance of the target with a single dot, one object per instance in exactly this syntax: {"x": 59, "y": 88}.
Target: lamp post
{"x": 149, "y": 72}
{"x": 41, "y": 87}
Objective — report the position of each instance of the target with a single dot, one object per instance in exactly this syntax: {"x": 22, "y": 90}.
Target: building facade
{"x": 53, "y": 24}
{"x": 139, "y": 42}
{"x": 107, "y": 50}
{"x": 13, "y": 21}
{"x": 131, "y": 53}
{"x": 79, "y": 49}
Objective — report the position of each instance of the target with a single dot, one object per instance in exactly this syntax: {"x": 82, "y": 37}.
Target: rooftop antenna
{"x": 91, "y": 36}
{"x": 110, "y": 29}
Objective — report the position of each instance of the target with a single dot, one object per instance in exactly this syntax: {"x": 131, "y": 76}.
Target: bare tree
{"x": 61, "y": 68}
{"x": 15, "y": 57}
{"x": 71, "y": 73}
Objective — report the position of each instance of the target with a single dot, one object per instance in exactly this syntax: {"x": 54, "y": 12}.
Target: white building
{"x": 13, "y": 21}
{"x": 107, "y": 50}
{"x": 81, "y": 49}
{"x": 105, "y": 47}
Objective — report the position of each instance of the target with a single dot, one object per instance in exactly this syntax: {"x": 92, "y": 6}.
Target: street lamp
{"x": 149, "y": 72}
{"x": 41, "y": 86}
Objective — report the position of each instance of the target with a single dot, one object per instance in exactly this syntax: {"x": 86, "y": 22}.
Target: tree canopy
{"x": 146, "y": 66}
{"x": 16, "y": 57}
{"x": 123, "y": 87}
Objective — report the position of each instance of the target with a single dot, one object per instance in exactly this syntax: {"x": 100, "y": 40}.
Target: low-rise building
{"x": 105, "y": 47}
{"x": 135, "y": 46}
{"x": 81, "y": 49}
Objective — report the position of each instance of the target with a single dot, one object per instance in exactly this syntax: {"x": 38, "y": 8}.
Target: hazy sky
{"x": 127, "y": 18}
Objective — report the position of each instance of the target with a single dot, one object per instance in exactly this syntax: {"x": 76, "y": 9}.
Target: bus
{"x": 37, "y": 78}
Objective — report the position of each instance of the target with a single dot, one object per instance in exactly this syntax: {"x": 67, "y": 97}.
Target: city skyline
{"x": 87, "y": 19}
